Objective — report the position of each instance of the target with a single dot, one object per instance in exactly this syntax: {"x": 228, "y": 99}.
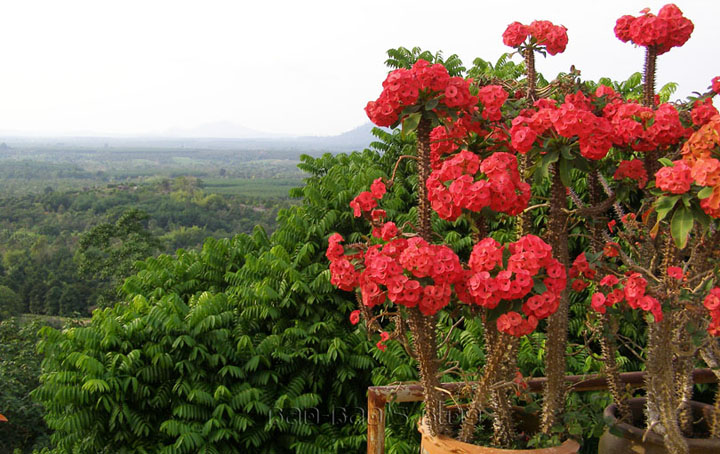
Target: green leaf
{"x": 542, "y": 171}
{"x": 431, "y": 104}
{"x": 567, "y": 152}
{"x": 681, "y": 225}
{"x": 664, "y": 205}
{"x": 564, "y": 167}
{"x": 411, "y": 122}
{"x": 705, "y": 192}
{"x": 539, "y": 287}
{"x": 666, "y": 162}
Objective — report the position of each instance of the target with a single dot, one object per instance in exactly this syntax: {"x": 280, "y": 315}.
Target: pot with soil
{"x": 621, "y": 438}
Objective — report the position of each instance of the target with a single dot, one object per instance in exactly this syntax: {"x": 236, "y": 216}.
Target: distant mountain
{"x": 215, "y": 136}
{"x": 220, "y": 130}
{"x": 355, "y": 139}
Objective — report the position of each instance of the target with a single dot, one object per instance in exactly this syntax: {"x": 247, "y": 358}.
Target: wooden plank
{"x": 376, "y": 423}
{"x": 578, "y": 383}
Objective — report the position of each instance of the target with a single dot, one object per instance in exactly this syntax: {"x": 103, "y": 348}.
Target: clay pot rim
{"x": 633, "y": 433}
{"x": 567, "y": 447}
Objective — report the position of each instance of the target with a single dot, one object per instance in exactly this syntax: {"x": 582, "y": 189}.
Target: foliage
{"x": 40, "y": 235}
{"x": 110, "y": 250}
{"x": 237, "y": 346}
{"x": 19, "y": 372}
{"x": 10, "y": 304}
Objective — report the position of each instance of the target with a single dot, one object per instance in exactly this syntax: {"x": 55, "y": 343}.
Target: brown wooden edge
{"x": 379, "y": 396}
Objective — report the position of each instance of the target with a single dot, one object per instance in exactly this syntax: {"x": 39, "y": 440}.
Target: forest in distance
{"x": 76, "y": 215}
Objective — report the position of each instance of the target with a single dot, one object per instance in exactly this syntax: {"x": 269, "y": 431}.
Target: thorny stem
{"x": 711, "y": 355}
{"x": 524, "y": 220}
{"x": 422, "y": 327}
{"x": 555, "y": 387}
{"x": 530, "y": 72}
{"x": 423, "y": 168}
{"x": 482, "y": 394}
{"x": 611, "y": 368}
{"x": 649, "y": 77}
{"x": 661, "y": 407}
{"x": 651, "y": 158}
{"x": 608, "y": 348}
{"x": 503, "y": 427}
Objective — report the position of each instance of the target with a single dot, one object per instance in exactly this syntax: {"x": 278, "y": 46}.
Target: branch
{"x": 452, "y": 328}
{"x": 397, "y": 163}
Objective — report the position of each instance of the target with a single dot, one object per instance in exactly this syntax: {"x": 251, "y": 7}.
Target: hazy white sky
{"x": 299, "y": 67}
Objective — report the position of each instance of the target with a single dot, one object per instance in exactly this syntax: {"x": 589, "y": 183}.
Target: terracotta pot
{"x": 621, "y": 438}
{"x": 447, "y": 445}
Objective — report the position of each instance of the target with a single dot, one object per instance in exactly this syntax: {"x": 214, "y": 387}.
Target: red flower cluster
{"x": 404, "y": 87}
{"x": 634, "y": 170}
{"x": 676, "y": 179}
{"x": 715, "y": 84}
{"x": 413, "y": 273}
{"x": 642, "y": 128}
{"x": 574, "y": 118}
{"x": 701, "y": 153}
{"x": 492, "y": 98}
{"x": 384, "y": 336}
{"x": 703, "y": 111}
{"x": 366, "y": 201}
{"x": 712, "y": 304}
{"x": 666, "y": 30}
{"x": 410, "y": 273}
{"x": 495, "y": 276}
{"x": 553, "y": 37}
{"x": 342, "y": 271}
{"x": 631, "y": 289}
{"x": 448, "y": 138}
{"x": 498, "y": 186}
{"x": 581, "y": 272}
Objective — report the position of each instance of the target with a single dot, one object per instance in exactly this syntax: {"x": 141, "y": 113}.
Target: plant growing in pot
{"x": 656, "y": 250}
{"x": 477, "y": 150}
{"x": 467, "y": 167}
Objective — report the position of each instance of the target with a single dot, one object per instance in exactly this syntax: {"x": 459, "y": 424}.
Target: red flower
{"x": 712, "y": 301}
{"x": 611, "y": 249}
{"x": 355, "y": 317}
{"x": 703, "y": 111}
{"x": 634, "y": 170}
{"x": 553, "y": 37}
{"x": 716, "y": 84}
{"x": 523, "y": 138}
{"x": 579, "y": 285}
{"x": 666, "y": 30}
{"x": 515, "y": 34}
{"x": 381, "y": 343}
{"x": 364, "y": 202}
{"x": 675, "y": 272}
{"x": 378, "y": 214}
{"x": 377, "y": 188}
{"x": 676, "y": 179}
{"x": 609, "y": 280}
{"x": 598, "y": 302}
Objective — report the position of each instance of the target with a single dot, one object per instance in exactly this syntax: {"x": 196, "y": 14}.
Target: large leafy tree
{"x": 243, "y": 345}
